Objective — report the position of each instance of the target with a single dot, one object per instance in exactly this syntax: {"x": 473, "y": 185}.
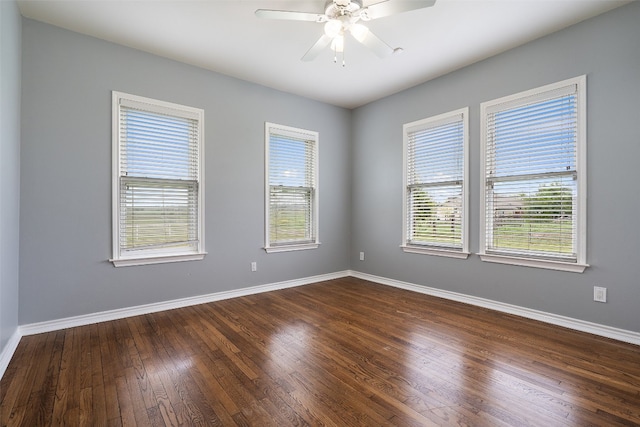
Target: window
{"x": 435, "y": 185}
{"x": 534, "y": 178}
{"x": 157, "y": 181}
{"x": 291, "y": 188}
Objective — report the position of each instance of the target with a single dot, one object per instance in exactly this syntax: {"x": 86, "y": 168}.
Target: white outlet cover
{"x": 599, "y": 294}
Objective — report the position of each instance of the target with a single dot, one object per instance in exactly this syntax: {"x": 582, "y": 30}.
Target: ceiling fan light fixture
{"x": 359, "y": 32}
{"x": 332, "y": 28}
{"x": 343, "y": 16}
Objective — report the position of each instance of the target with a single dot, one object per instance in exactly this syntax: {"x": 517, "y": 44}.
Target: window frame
{"x": 519, "y": 100}
{"x": 154, "y": 255}
{"x": 437, "y": 250}
{"x": 270, "y": 247}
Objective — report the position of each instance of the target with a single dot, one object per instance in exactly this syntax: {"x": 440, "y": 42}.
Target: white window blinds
{"x": 531, "y": 174}
{"x": 435, "y": 196}
{"x": 159, "y": 178}
{"x": 292, "y": 186}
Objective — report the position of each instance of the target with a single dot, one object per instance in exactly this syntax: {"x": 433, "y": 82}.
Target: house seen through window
{"x": 435, "y": 187}
{"x": 534, "y": 185}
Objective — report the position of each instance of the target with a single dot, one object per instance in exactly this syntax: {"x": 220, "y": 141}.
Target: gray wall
{"x": 65, "y": 221}
{"x": 605, "y": 48}
{"x": 66, "y": 178}
{"x": 10, "y": 36}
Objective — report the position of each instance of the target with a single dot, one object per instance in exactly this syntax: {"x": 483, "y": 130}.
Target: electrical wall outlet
{"x": 361, "y": 256}
{"x": 254, "y": 266}
{"x": 599, "y": 294}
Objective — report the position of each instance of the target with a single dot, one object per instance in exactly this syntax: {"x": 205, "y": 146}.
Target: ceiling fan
{"x": 344, "y": 16}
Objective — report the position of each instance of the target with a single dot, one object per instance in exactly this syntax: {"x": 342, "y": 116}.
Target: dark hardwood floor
{"x": 339, "y": 353}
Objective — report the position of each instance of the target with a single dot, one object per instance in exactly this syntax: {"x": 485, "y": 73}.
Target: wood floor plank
{"x": 23, "y": 379}
{"x": 40, "y": 405}
{"x": 142, "y": 355}
{"x": 162, "y": 367}
{"x": 110, "y": 366}
{"x": 344, "y": 352}
{"x": 360, "y": 376}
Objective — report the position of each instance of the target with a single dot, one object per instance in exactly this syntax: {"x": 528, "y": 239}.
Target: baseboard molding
{"x": 104, "y": 316}
{"x": 554, "y": 319}
{"x": 7, "y": 352}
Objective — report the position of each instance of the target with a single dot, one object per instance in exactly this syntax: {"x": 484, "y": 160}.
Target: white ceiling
{"x": 225, "y": 36}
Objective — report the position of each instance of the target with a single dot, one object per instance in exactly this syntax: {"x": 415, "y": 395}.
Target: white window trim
{"x": 155, "y": 256}
{"x": 290, "y": 248}
{"x": 295, "y": 132}
{"x": 581, "y": 165}
{"x": 434, "y": 250}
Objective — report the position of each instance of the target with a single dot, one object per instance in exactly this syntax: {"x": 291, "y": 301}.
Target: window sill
{"x": 434, "y": 251}
{"x": 536, "y": 263}
{"x": 128, "y": 262}
{"x": 289, "y": 248}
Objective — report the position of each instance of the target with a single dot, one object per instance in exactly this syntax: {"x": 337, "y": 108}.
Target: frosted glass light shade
{"x": 333, "y": 27}
{"x": 359, "y": 32}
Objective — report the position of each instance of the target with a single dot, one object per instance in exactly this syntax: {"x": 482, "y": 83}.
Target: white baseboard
{"x": 7, "y": 352}
{"x": 554, "y": 319}
{"x": 87, "y": 319}
{"x": 104, "y": 316}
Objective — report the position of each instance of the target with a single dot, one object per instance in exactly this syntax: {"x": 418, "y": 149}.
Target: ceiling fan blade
{"x": 392, "y": 7}
{"x": 317, "y": 48}
{"x": 374, "y": 43}
{"x": 290, "y": 15}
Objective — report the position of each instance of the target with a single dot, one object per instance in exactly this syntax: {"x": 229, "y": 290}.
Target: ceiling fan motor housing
{"x": 337, "y": 8}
